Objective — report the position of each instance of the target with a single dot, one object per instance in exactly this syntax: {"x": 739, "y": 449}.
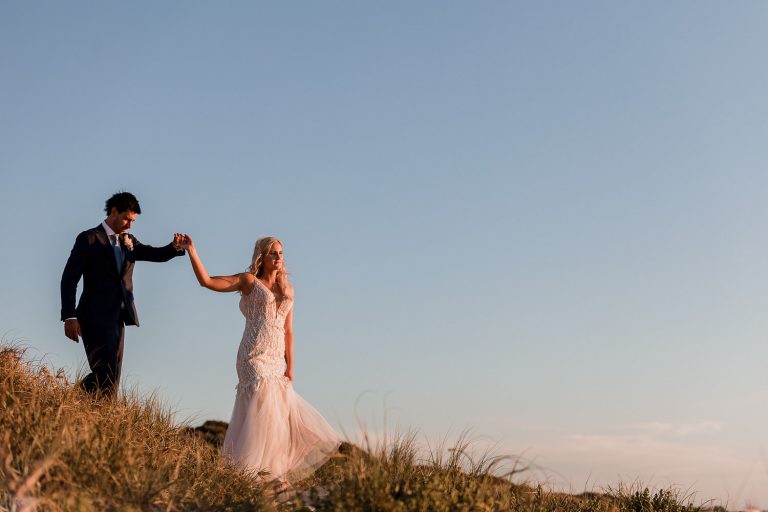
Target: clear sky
{"x": 544, "y": 221}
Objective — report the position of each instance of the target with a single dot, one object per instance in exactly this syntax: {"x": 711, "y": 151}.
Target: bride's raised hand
{"x": 185, "y": 242}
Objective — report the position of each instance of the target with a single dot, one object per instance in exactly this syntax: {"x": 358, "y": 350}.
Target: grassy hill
{"x": 62, "y": 450}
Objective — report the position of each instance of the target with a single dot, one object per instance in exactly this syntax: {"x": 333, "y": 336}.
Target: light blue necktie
{"x": 118, "y": 252}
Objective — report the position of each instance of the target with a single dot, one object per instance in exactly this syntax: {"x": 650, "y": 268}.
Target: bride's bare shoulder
{"x": 247, "y": 282}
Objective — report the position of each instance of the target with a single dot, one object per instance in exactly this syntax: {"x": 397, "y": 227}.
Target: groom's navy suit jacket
{"x": 107, "y": 296}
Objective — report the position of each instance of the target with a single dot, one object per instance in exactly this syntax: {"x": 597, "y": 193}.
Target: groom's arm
{"x": 143, "y": 252}
{"x": 73, "y": 271}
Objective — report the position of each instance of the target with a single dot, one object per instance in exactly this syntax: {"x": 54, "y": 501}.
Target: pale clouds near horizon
{"x": 663, "y": 455}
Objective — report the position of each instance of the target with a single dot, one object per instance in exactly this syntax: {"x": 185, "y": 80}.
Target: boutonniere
{"x": 127, "y": 241}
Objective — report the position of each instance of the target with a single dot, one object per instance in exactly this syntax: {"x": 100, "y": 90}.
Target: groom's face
{"x": 121, "y": 222}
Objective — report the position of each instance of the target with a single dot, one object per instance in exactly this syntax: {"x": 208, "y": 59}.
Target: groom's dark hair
{"x": 123, "y": 201}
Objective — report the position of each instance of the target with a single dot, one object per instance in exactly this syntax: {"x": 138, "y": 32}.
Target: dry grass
{"x": 62, "y": 450}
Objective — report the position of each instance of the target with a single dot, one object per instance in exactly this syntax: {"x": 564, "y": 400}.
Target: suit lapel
{"x": 101, "y": 234}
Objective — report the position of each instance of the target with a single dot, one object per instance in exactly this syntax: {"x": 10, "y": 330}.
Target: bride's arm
{"x": 289, "y": 345}
{"x": 234, "y": 283}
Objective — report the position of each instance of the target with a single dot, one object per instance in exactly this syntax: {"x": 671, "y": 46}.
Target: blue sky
{"x": 543, "y": 220}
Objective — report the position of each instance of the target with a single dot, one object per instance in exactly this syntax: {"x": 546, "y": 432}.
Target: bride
{"x": 272, "y": 428}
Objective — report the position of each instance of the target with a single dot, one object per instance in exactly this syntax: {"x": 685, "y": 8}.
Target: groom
{"x": 104, "y": 257}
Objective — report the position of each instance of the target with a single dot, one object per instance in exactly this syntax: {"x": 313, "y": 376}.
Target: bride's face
{"x": 273, "y": 259}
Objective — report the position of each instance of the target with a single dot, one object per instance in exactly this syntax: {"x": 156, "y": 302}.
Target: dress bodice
{"x": 262, "y": 348}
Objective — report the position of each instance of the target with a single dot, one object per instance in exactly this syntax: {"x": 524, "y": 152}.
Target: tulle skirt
{"x": 273, "y": 429}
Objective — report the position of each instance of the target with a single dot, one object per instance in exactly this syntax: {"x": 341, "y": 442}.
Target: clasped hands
{"x": 181, "y": 241}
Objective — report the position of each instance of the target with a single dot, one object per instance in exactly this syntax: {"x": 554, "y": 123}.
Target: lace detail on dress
{"x": 272, "y": 428}
{"x": 262, "y": 349}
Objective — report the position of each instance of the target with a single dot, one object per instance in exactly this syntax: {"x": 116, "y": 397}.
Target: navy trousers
{"x": 103, "y": 342}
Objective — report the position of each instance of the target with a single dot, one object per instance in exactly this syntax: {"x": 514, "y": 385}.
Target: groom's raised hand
{"x": 72, "y": 329}
{"x": 178, "y": 239}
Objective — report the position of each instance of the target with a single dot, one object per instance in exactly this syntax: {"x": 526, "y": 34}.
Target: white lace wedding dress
{"x": 272, "y": 428}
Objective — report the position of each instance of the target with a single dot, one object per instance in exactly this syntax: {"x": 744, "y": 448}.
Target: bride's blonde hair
{"x": 260, "y": 250}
